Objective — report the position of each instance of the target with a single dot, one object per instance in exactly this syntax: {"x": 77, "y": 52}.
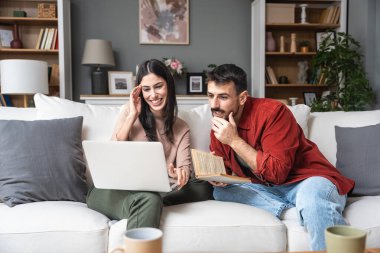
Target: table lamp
{"x": 98, "y": 53}
{"x": 24, "y": 77}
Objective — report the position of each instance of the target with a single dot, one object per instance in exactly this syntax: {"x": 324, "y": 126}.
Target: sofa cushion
{"x": 363, "y": 213}
{"x": 41, "y": 160}
{"x": 52, "y": 226}
{"x": 211, "y": 226}
{"x": 98, "y": 121}
{"x": 199, "y": 121}
{"x": 301, "y": 113}
{"x": 358, "y": 157}
{"x": 322, "y": 131}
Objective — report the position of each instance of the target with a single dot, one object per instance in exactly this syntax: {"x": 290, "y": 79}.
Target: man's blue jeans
{"x": 316, "y": 199}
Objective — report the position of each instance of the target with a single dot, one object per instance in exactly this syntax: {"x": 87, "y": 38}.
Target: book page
{"x": 210, "y": 167}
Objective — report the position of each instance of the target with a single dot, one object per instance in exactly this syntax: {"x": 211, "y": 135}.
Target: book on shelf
{"x": 210, "y": 167}
{"x": 47, "y": 39}
{"x": 271, "y": 75}
{"x": 330, "y": 15}
{"x": 5, "y": 100}
{"x": 54, "y": 75}
{"x": 39, "y": 39}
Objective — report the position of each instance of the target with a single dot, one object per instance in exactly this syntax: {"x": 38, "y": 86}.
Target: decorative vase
{"x": 270, "y": 43}
{"x": 282, "y": 44}
{"x": 16, "y": 42}
{"x": 293, "y": 46}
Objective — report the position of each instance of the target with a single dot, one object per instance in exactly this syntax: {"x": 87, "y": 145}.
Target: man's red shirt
{"x": 284, "y": 155}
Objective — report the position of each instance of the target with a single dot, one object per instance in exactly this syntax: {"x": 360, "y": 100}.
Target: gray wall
{"x": 219, "y": 33}
{"x": 364, "y": 26}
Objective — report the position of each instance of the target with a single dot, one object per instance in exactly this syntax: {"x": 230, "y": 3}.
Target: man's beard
{"x": 219, "y": 111}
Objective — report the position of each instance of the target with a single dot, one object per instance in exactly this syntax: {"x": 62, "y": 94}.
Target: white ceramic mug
{"x": 142, "y": 240}
{"x": 345, "y": 239}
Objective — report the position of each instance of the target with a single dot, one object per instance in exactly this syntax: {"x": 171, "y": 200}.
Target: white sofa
{"x": 209, "y": 226}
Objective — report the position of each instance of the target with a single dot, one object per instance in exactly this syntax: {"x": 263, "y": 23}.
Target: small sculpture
{"x": 303, "y": 66}
{"x": 303, "y": 13}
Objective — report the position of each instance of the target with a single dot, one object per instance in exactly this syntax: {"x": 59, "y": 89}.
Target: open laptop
{"x": 127, "y": 165}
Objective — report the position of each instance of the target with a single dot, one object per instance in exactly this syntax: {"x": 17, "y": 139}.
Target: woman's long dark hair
{"x": 170, "y": 111}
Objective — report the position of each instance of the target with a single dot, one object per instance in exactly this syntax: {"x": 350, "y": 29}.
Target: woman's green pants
{"x": 143, "y": 209}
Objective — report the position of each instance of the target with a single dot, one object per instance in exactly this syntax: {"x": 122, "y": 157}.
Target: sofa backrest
{"x": 99, "y": 121}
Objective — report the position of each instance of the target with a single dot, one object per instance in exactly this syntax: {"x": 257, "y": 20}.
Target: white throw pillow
{"x": 301, "y": 113}
{"x": 199, "y": 121}
{"x": 98, "y": 121}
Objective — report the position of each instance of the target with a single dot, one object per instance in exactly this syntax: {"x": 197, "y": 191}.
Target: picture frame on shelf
{"x": 120, "y": 82}
{"x": 320, "y": 36}
{"x": 309, "y": 98}
{"x": 195, "y": 84}
{"x": 162, "y": 22}
{"x": 6, "y": 36}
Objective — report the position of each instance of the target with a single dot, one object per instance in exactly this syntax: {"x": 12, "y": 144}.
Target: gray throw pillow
{"x": 358, "y": 157}
{"x": 41, "y": 160}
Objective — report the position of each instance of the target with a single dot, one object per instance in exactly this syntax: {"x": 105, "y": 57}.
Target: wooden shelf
{"x": 28, "y": 51}
{"x": 28, "y": 21}
{"x": 297, "y": 54}
{"x": 298, "y": 26}
{"x": 295, "y": 86}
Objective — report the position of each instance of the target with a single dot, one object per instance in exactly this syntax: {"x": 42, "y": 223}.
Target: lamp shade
{"x": 24, "y": 77}
{"x": 98, "y": 53}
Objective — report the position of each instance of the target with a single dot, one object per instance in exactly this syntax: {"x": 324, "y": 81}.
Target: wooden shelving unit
{"x": 29, "y": 31}
{"x": 286, "y": 63}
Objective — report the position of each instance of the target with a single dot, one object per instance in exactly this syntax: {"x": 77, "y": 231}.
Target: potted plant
{"x": 304, "y": 46}
{"x": 341, "y": 67}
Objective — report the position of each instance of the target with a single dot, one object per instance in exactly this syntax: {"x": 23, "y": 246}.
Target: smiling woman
{"x": 151, "y": 115}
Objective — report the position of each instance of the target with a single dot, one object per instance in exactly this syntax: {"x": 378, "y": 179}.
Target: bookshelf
{"x": 29, "y": 32}
{"x": 322, "y": 16}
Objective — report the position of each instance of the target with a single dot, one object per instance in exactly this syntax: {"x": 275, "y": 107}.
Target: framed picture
{"x": 120, "y": 82}
{"x": 164, "y": 22}
{"x": 195, "y": 84}
{"x": 6, "y": 36}
{"x": 309, "y": 97}
{"x": 321, "y": 36}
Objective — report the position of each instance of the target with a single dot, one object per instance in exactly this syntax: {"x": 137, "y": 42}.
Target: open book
{"x": 209, "y": 167}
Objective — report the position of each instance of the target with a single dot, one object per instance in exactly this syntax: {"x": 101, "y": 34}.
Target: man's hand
{"x": 182, "y": 175}
{"x": 225, "y": 131}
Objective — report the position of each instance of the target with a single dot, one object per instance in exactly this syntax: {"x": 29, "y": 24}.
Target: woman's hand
{"x": 182, "y": 175}
{"x": 135, "y": 101}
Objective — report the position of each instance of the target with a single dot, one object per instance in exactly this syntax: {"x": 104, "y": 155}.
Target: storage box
{"x": 280, "y": 13}
{"x": 19, "y": 14}
{"x": 47, "y": 10}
